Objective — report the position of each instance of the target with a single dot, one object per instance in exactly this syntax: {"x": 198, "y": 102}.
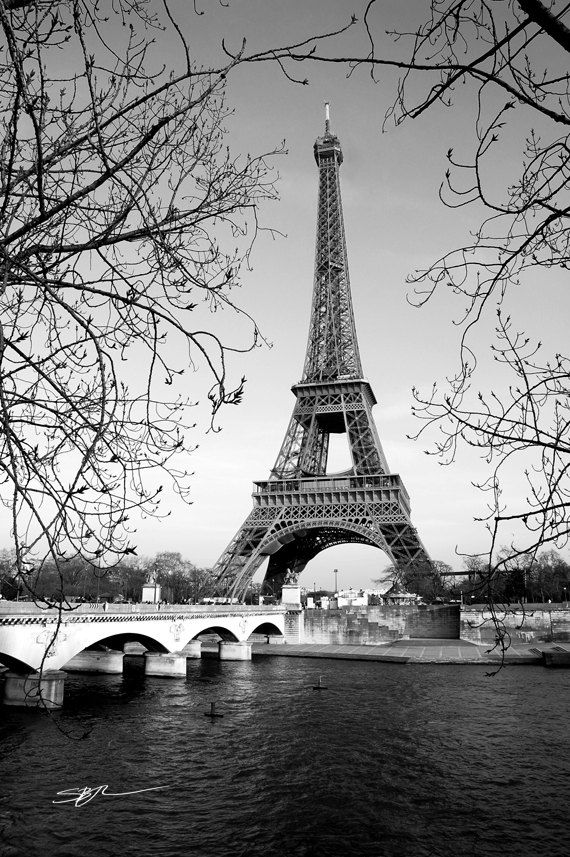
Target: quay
{"x": 420, "y": 652}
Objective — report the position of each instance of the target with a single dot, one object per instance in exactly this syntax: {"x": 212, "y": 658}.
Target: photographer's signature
{"x": 81, "y": 796}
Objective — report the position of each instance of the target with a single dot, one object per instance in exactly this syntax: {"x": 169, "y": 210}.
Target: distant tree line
{"x": 521, "y": 578}
{"x": 77, "y": 579}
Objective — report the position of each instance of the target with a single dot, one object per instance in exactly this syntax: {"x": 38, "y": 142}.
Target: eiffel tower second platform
{"x": 301, "y": 509}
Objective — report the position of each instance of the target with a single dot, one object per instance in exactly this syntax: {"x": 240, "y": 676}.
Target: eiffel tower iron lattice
{"x": 301, "y": 510}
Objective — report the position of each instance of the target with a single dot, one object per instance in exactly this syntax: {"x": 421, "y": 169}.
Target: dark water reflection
{"x": 390, "y": 760}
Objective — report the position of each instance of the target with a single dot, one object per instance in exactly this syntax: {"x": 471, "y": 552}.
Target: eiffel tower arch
{"x": 301, "y": 510}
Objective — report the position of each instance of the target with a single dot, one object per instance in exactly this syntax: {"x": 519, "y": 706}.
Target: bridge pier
{"x": 294, "y": 625}
{"x": 193, "y": 649}
{"x": 171, "y": 665}
{"x": 231, "y": 650}
{"x": 33, "y": 690}
{"x": 92, "y": 661}
{"x": 134, "y": 649}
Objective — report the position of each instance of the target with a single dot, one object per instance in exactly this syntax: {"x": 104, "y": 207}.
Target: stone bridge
{"x": 36, "y": 644}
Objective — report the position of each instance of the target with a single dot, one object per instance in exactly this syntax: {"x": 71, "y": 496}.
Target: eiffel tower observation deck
{"x": 301, "y": 509}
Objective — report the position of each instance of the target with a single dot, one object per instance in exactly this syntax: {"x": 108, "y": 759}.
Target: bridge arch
{"x": 117, "y": 642}
{"x": 222, "y": 632}
{"x": 267, "y": 628}
{"x": 64, "y": 642}
{"x": 15, "y": 664}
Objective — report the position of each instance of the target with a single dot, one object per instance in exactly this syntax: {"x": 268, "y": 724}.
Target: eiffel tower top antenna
{"x": 332, "y": 346}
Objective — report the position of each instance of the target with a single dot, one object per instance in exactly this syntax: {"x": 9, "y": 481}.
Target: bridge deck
{"x": 26, "y": 608}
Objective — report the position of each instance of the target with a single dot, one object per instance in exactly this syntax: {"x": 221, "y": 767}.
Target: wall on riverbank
{"x": 371, "y": 625}
{"x": 537, "y": 623}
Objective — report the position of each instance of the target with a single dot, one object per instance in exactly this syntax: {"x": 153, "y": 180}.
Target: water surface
{"x": 391, "y": 760}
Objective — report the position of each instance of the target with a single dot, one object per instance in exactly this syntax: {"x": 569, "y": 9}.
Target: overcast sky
{"x": 394, "y": 224}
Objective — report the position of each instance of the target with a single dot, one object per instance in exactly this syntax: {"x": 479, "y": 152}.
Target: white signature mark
{"x": 82, "y": 796}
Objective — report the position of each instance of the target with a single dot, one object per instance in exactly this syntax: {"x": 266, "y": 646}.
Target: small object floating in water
{"x": 212, "y": 712}
{"x": 320, "y": 685}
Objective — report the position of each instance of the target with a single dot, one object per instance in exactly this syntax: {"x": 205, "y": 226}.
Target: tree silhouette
{"x": 126, "y": 221}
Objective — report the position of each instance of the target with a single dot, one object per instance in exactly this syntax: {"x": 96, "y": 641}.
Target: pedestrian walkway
{"x": 414, "y": 651}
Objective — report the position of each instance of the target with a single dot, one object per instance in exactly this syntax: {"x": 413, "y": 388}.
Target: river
{"x": 390, "y": 760}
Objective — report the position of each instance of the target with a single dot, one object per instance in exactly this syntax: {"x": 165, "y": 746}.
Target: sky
{"x": 395, "y": 223}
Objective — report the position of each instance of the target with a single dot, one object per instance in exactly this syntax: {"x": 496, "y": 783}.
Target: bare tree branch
{"x": 125, "y": 221}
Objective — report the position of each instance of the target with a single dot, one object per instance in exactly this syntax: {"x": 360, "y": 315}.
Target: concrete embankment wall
{"x": 371, "y": 625}
{"x": 537, "y": 623}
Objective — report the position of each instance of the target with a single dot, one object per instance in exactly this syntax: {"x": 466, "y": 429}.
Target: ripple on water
{"x": 389, "y": 760}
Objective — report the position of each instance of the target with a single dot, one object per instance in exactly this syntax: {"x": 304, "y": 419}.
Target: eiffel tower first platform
{"x": 301, "y": 509}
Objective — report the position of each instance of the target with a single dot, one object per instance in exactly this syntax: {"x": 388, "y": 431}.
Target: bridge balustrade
{"x": 28, "y": 608}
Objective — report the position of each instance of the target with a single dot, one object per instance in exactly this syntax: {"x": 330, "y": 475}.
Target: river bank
{"x": 426, "y": 651}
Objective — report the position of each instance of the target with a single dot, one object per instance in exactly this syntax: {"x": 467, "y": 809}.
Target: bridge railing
{"x": 330, "y": 483}
{"x": 27, "y": 608}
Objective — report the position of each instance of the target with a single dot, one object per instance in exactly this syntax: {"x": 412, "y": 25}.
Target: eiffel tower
{"x": 301, "y": 509}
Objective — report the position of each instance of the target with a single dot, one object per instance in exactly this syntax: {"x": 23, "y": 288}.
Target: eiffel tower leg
{"x": 257, "y": 538}
{"x": 305, "y": 447}
{"x": 241, "y": 559}
{"x": 403, "y": 544}
{"x": 283, "y": 568}
{"x": 314, "y": 449}
{"x": 367, "y": 453}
